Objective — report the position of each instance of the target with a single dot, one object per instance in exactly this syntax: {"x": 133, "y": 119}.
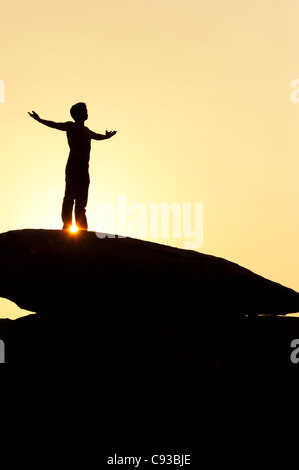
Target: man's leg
{"x": 68, "y": 203}
{"x": 81, "y": 203}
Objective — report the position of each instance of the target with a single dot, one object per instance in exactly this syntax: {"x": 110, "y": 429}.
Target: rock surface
{"x": 158, "y": 388}
{"x": 108, "y": 367}
{"x": 46, "y": 270}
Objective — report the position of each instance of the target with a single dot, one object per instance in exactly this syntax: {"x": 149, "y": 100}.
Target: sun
{"x": 74, "y": 229}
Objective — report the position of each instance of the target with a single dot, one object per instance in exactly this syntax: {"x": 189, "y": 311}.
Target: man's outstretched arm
{"x": 61, "y": 126}
{"x": 95, "y": 136}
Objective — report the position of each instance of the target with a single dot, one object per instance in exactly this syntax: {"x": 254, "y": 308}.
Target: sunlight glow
{"x": 74, "y": 229}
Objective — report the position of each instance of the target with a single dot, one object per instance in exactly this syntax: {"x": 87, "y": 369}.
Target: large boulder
{"x": 54, "y": 270}
{"x": 103, "y": 366}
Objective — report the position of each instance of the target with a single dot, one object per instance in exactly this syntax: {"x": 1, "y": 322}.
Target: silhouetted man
{"x": 76, "y": 172}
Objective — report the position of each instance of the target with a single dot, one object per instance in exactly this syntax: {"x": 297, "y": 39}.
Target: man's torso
{"x": 79, "y": 142}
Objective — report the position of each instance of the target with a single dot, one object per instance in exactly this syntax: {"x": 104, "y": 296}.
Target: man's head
{"x": 79, "y": 112}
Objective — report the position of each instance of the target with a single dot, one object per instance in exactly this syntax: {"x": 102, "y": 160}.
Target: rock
{"x": 68, "y": 383}
{"x": 54, "y": 270}
{"x": 116, "y": 360}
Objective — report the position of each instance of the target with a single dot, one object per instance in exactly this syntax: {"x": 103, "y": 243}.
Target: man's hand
{"x": 110, "y": 134}
{"x": 34, "y": 115}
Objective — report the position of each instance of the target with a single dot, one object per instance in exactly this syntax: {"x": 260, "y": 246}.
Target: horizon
{"x": 204, "y": 101}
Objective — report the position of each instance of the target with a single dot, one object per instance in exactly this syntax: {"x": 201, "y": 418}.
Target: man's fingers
{"x": 110, "y": 133}
{"x": 33, "y": 114}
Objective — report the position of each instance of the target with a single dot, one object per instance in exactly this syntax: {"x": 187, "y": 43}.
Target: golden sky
{"x": 200, "y": 94}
